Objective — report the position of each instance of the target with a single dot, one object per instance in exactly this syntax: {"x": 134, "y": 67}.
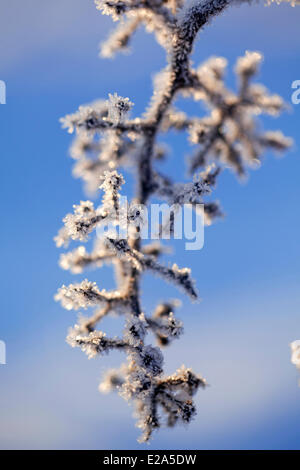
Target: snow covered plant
{"x": 107, "y": 139}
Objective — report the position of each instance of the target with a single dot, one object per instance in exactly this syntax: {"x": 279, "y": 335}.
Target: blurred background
{"x": 247, "y": 273}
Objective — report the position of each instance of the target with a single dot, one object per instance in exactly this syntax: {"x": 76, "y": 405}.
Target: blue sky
{"x": 247, "y": 273}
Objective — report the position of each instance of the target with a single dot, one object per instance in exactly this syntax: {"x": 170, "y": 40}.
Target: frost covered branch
{"x": 227, "y": 136}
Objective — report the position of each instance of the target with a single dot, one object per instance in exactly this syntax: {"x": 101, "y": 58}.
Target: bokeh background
{"x": 247, "y": 273}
